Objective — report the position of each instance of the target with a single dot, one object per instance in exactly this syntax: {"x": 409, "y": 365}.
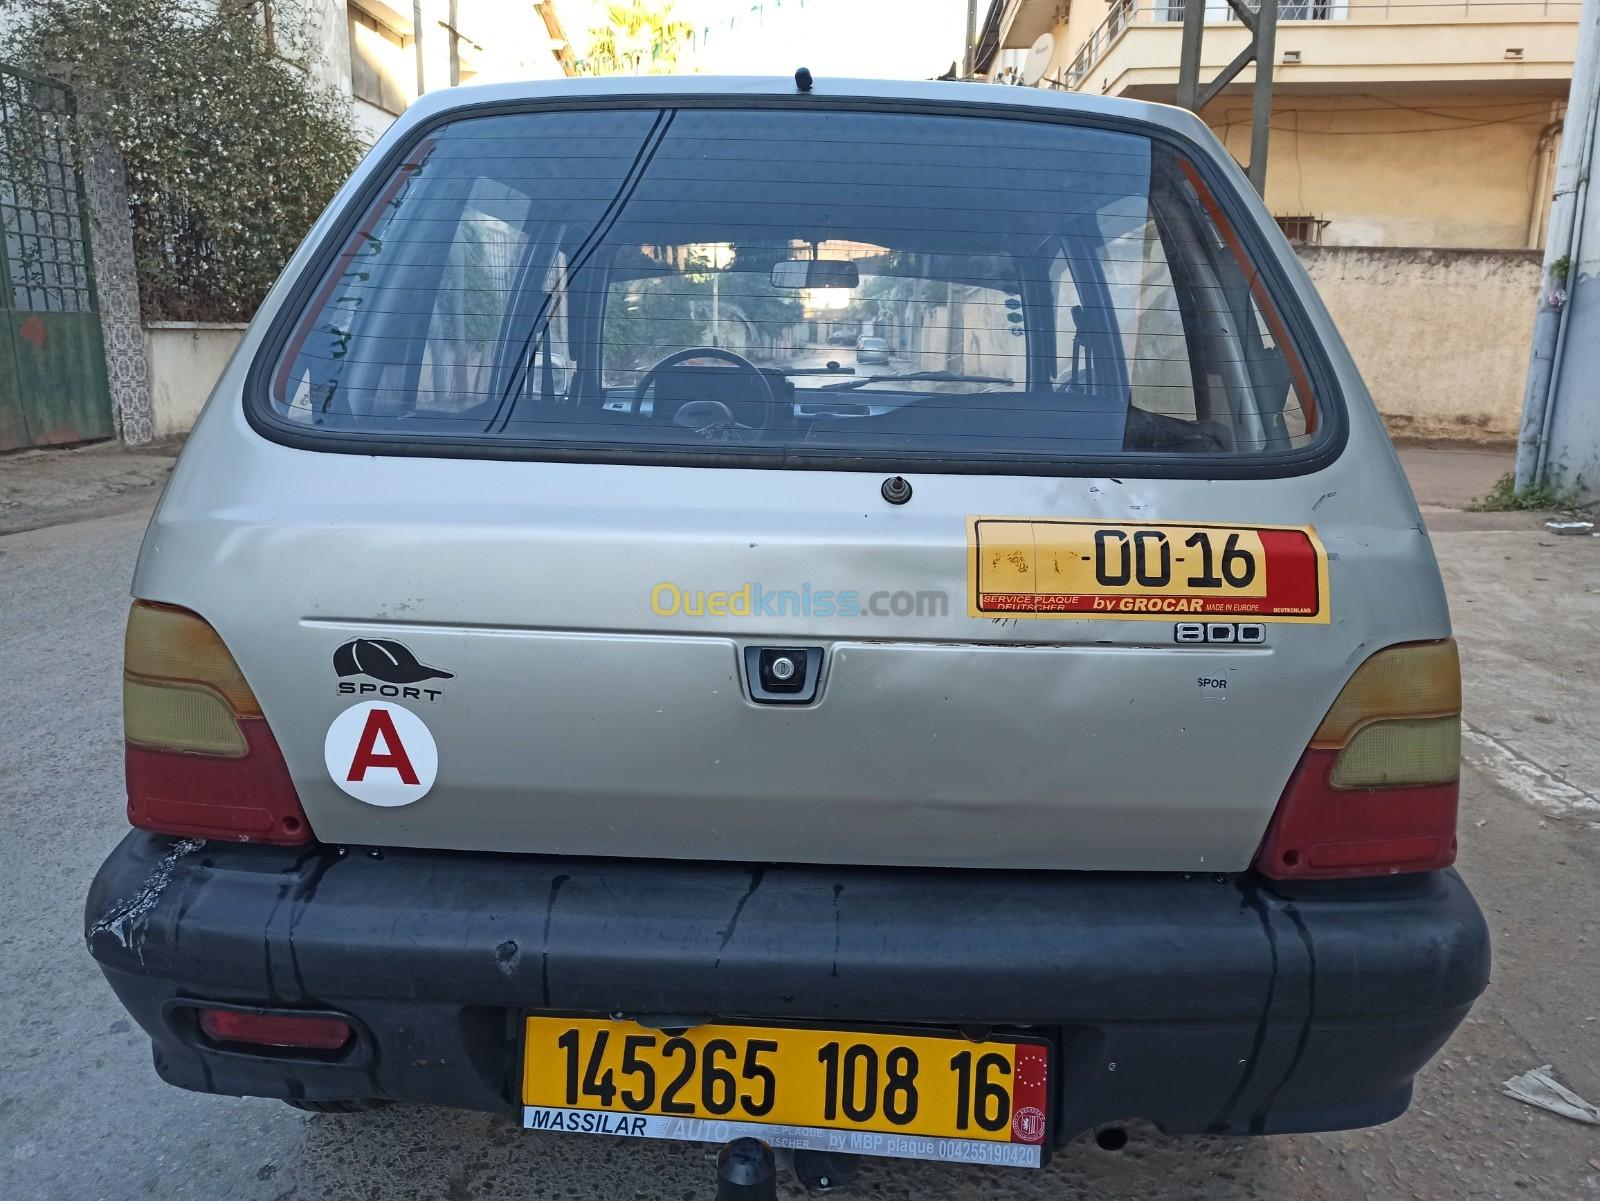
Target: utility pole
{"x": 455, "y": 46}
{"x": 1262, "y": 22}
{"x": 972, "y": 36}
{"x": 416, "y": 41}
{"x": 1559, "y": 443}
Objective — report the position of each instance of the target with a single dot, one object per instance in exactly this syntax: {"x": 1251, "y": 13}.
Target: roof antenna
{"x": 802, "y": 79}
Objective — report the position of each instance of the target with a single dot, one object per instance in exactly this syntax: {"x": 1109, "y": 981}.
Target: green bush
{"x": 1504, "y": 497}
{"x": 230, "y": 150}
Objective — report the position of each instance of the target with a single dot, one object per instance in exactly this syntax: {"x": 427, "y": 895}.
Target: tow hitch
{"x": 747, "y": 1170}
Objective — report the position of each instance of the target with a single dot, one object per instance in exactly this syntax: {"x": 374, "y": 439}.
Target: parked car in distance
{"x": 841, "y": 337}
{"x": 547, "y": 693}
{"x": 872, "y": 350}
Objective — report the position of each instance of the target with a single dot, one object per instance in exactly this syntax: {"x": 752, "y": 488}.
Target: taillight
{"x": 1375, "y": 792}
{"x": 200, "y": 758}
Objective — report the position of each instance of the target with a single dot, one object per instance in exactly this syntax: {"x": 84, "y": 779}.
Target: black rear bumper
{"x": 1201, "y": 1003}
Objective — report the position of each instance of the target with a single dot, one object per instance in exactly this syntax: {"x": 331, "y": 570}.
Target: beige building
{"x": 384, "y": 53}
{"x": 1412, "y": 158}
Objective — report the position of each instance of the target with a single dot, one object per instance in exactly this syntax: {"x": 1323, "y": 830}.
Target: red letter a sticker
{"x": 380, "y": 723}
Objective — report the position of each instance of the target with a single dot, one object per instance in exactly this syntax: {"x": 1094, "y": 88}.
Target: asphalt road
{"x": 84, "y": 1117}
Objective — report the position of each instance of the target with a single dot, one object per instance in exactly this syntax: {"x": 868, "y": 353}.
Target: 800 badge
{"x": 1224, "y": 633}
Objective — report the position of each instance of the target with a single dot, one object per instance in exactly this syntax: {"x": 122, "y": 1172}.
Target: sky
{"x": 877, "y": 39}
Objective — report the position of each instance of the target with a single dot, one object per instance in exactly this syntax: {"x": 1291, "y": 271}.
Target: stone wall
{"x": 1441, "y": 336}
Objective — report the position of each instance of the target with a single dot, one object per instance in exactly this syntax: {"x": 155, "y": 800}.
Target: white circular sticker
{"x": 381, "y": 753}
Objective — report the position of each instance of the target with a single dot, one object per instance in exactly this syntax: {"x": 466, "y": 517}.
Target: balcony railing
{"x": 1170, "y": 12}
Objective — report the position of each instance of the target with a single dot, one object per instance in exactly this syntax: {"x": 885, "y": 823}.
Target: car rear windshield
{"x": 841, "y": 286}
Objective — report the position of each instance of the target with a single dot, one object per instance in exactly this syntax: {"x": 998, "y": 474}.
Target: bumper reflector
{"x": 275, "y": 1029}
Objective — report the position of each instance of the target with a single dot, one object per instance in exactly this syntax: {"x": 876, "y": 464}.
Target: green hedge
{"x": 230, "y": 149}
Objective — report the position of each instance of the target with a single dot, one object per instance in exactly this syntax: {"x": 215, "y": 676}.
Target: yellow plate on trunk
{"x": 1144, "y": 571}
{"x": 901, "y": 1094}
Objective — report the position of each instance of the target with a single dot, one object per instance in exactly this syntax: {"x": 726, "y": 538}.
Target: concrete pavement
{"x": 46, "y": 487}
{"x": 1453, "y": 477}
{"x": 84, "y": 1116}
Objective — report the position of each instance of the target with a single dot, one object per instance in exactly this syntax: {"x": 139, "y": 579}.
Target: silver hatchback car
{"x": 872, "y": 350}
{"x": 557, "y": 686}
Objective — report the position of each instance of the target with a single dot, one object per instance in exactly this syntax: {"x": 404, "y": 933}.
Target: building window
{"x": 1307, "y": 10}
{"x": 381, "y": 65}
{"x": 1302, "y": 231}
{"x": 1220, "y": 10}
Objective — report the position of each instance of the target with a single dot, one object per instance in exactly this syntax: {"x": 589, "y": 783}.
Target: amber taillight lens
{"x": 200, "y": 758}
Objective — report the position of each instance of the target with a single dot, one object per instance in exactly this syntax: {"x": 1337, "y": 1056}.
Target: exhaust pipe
{"x": 1111, "y": 1138}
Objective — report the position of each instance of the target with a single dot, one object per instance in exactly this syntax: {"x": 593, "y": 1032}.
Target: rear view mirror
{"x": 795, "y": 274}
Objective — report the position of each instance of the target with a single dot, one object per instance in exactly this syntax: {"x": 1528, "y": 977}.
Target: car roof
{"x": 999, "y": 98}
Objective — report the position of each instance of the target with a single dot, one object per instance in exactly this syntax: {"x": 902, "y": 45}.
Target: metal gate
{"x": 52, "y": 360}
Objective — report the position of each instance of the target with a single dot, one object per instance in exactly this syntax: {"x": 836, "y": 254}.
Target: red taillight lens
{"x": 1376, "y": 791}
{"x": 1320, "y": 832}
{"x": 275, "y": 1029}
{"x": 201, "y": 761}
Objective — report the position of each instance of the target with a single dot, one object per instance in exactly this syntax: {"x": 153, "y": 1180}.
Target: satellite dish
{"x": 1039, "y": 56}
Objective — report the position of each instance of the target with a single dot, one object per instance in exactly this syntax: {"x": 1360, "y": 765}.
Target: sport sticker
{"x": 381, "y": 753}
{"x": 1143, "y": 571}
{"x": 398, "y": 671}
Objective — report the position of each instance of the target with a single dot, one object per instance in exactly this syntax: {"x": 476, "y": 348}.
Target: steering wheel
{"x": 706, "y": 415}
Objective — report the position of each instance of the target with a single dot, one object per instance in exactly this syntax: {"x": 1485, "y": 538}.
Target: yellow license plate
{"x": 1129, "y": 570}
{"x": 908, "y": 1096}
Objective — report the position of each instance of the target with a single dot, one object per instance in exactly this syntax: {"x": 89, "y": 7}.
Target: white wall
{"x": 184, "y": 360}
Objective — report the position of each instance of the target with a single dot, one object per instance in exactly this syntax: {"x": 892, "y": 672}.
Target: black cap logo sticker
{"x": 384, "y": 659}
